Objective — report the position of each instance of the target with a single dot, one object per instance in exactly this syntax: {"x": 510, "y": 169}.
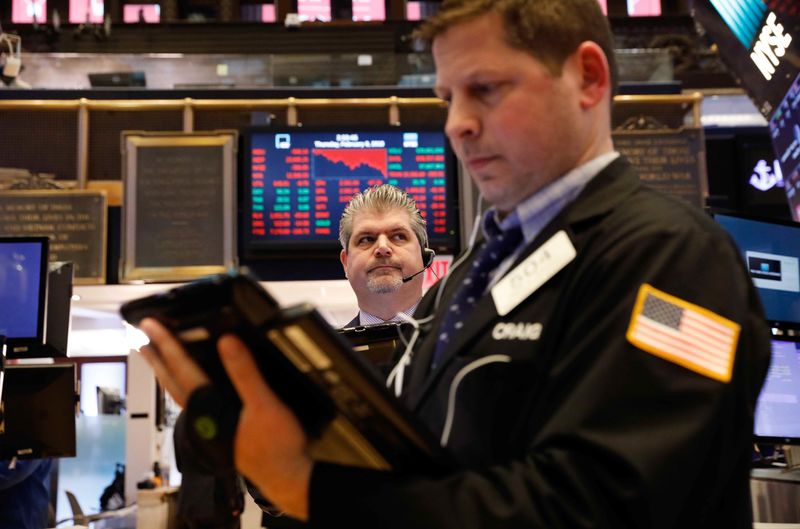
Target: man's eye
{"x": 366, "y": 240}
{"x": 484, "y": 89}
{"x": 400, "y": 237}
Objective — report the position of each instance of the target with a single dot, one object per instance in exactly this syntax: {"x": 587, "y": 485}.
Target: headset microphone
{"x": 427, "y": 261}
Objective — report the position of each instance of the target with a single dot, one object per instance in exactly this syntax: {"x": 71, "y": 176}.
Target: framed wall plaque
{"x": 179, "y": 205}
{"x": 74, "y": 220}
{"x": 672, "y": 161}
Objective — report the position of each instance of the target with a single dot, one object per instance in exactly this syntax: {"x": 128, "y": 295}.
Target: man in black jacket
{"x": 594, "y": 362}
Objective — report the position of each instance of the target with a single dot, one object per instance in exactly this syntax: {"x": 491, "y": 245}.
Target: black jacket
{"x": 577, "y": 427}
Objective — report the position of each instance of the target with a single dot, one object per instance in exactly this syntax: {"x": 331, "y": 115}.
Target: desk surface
{"x": 776, "y": 474}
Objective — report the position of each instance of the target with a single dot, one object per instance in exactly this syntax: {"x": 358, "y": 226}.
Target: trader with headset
{"x": 384, "y": 253}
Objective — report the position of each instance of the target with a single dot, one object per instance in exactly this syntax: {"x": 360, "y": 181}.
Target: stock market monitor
{"x": 297, "y": 182}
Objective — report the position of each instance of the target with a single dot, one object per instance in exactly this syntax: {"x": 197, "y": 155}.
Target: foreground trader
{"x": 594, "y": 363}
{"x": 383, "y": 238}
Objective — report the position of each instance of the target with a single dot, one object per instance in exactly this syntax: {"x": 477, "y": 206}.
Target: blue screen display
{"x": 20, "y": 288}
{"x": 778, "y": 407}
{"x": 771, "y": 252}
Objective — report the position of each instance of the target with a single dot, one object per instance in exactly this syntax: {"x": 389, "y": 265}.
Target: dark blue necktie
{"x": 499, "y": 246}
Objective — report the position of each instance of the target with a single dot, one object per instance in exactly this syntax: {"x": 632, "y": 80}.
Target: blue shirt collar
{"x": 536, "y": 212}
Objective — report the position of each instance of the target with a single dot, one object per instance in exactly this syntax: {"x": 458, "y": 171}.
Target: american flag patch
{"x": 683, "y": 333}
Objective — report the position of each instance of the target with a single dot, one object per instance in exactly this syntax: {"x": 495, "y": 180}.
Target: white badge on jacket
{"x": 533, "y": 272}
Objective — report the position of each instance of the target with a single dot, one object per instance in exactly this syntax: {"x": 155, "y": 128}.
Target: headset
{"x": 427, "y": 261}
{"x": 395, "y": 379}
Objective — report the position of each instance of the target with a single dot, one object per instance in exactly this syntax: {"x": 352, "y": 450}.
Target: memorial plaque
{"x": 672, "y": 161}
{"x": 179, "y": 213}
{"x": 75, "y": 222}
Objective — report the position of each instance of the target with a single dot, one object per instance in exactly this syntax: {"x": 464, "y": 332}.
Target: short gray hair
{"x": 382, "y": 198}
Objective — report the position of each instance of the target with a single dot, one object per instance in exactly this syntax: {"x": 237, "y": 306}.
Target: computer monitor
{"x": 297, "y": 181}
{"x": 778, "y": 406}
{"x": 23, "y": 286}
{"x": 39, "y": 412}
{"x": 117, "y": 79}
{"x": 743, "y": 173}
{"x": 771, "y": 250}
{"x": 784, "y": 128}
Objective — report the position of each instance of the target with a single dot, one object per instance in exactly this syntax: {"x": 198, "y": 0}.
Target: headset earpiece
{"x": 427, "y": 257}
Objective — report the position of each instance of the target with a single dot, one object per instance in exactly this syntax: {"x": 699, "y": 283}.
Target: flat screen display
{"x": 297, "y": 182}
{"x": 743, "y": 172}
{"x": 314, "y": 10}
{"x": 368, "y": 10}
{"x": 771, "y": 251}
{"x": 778, "y": 406}
{"x": 784, "y": 128}
{"x": 86, "y": 11}
{"x": 23, "y": 281}
{"x": 29, "y": 11}
{"x": 644, "y": 8}
{"x": 758, "y": 40}
{"x": 142, "y": 13}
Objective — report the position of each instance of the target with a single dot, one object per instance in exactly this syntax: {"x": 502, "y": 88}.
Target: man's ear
{"x": 343, "y": 260}
{"x": 595, "y": 77}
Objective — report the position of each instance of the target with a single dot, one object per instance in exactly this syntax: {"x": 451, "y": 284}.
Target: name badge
{"x": 533, "y": 272}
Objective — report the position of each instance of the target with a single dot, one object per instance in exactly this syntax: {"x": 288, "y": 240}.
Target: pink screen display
{"x": 150, "y": 12}
{"x": 369, "y": 10}
{"x": 314, "y": 9}
{"x": 268, "y": 13}
{"x": 23, "y": 11}
{"x": 413, "y": 11}
{"x": 644, "y": 8}
{"x": 82, "y": 11}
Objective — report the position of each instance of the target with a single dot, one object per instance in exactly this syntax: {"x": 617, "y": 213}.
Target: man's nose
{"x": 462, "y": 121}
{"x": 383, "y": 248}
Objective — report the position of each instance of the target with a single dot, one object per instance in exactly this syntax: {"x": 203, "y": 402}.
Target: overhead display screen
{"x": 298, "y": 182}
{"x": 784, "y": 128}
{"x": 28, "y": 11}
{"x": 758, "y": 41}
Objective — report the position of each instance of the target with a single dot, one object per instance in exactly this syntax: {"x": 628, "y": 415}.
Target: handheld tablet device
{"x": 342, "y": 404}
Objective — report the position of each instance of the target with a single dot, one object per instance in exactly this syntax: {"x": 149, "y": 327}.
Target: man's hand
{"x": 175, "y": 370}
{"x": 270, "y": 448}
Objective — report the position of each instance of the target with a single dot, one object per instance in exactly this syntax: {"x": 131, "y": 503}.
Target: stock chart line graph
{"x": 349, "y": 163}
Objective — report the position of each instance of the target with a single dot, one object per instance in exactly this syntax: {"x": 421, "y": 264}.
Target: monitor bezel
{"x": 749, "y": 216}
{"x": 255, "y": 250}
{"x": 26, "y": 342}
{"x": 784, "y": 337}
